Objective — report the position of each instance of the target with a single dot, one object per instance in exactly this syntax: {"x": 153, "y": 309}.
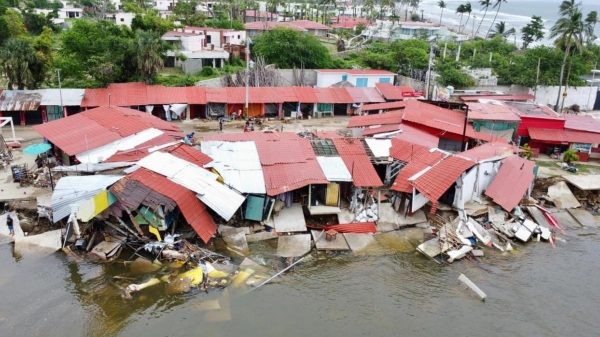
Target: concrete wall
{"x": 327, "y": 79}
{"x": 583, "y": 96}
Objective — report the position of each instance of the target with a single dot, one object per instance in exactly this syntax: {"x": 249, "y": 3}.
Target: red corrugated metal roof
{"x": 288, "y": 160}
{"x": 416, "y": 156}
{"x": 582, "y": 123}
{"x": 442, "y": 119}
{"x": 355, "y": 227}
{"x": 499, "y": 97}
{"x": 306, "y": 94}
{"x": 139, "y": 94}
{"x": 493, "y": 112}
{"x": 333, "y": 95}
{"x": 511, "y": 183}
{"x": 216, "y": 95}
{"x": 354, "y": 155}
{"x": 396, "y": 93}
{"x": 437, "y": 180}
{"x": 96, "y": 127}
{"x": 392, "y": 117}
{"x": 564, "y": 136}
{"x": 348, "y": 22}
{"x": 370, "y": 131}
{"x": 488, "y": 151}
{"x": 532, "y": 110}
{"x": 383, "y": 106}
{"x": 364, "y": 95}
{"x": 191, "y": 207}
{"x": 417, "y": 136}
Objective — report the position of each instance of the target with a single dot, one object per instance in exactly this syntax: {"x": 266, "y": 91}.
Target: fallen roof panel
{"x": 357, "y": 161}
{"x": 334, "y": 168}
{"x": 213, "y": 194}
{"x": 512, "y": 182}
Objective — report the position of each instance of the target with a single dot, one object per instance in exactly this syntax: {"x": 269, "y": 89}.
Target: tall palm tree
{"x": 442, "y": 5}
{"x": 149, "y": 54}
{"x": 460, "y": 10}
{"x": 500, "y": 29}
{"x": 17, "y": 59}
{"x": 497, "y": 5}
{"x": 468, "y": 10}
{"x": 486, "y": 5}
{"x": 590, "y": 26}
{"x": 570, "y": 29}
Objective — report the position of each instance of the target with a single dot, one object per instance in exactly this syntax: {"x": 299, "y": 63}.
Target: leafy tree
{"x": 149, "y": 55}
{"x": 486, "y": 5}
{"x": 570, "y": 156}
{"x": 89, "y": 46}
{"x": 461, "y": 9}
{"x": 289, "y": 48}
{"x": 15, "y": 26}
{"x": 184, "y": 9}
{"x": 4, "y": 30}
{"x": 442, "y": 6}
{"x": 19, "y": 64}
{"x": 533, "y": 31}
{"x": 497, "y": 5}
{"x": 452, "y": 74}
{"x": 570, "y": 28}
{"x": 150, "y": 21}
{"x": 35, "y": 23}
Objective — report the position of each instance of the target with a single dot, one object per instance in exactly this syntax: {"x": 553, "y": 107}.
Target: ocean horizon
{"x": 516, "y": 13}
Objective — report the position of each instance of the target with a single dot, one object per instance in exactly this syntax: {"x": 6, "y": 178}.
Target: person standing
{"x": 9, "y": 224}
{"x": 221, "y": 124}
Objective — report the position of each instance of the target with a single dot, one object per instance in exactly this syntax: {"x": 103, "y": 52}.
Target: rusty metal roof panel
{"x": 19, "y": 100}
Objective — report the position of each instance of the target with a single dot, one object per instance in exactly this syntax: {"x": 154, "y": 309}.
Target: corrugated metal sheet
{"x": 238, "y": 163}
{"x": 333, "y": 96}
{"x": 582, "y": 123}
{"x": 357, "y": 162}
{"x": 392, "y": 117}
{"x": 489, "y": 151}
{"x": 213, "y": 194}
{"x": 394, "y": 93}
{"x": 364, "y": 95}
{"x": 105, "y": 151}
{"x": 192, "y": 209}
{"x": 436, "y": 181}
{"x": 564, "y": 136}
{"x": 383, "y": 106}
{"x": 334, "y": 168}
{"x": 380, "y": 129}
{"x": 19, "y": 100}
{"x": 379, "y": 147}
{"x": 416, "y": 136}
{"x": 96, "y": 127}
{"x": 493, "y": 112}
{"x": 71, "y": 190}
{"x": 511, "y": 183}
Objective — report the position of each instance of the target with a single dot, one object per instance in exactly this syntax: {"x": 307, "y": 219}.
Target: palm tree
{"x": 497, "y": 5}
{"x": 590, "y": 26}
{"x": 149, "y": 55}
{"x": 570, "y": 29}
{"x": 17, "y": 58}
{"x": 460, "y": 10}
{"x": 500, "y": 29}
{"x": 486, "y": 4}
{"x": 442, "y": 5}
{"x": 469, "y": 10}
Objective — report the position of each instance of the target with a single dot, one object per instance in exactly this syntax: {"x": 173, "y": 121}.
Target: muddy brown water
{"x": 534, "y": 291}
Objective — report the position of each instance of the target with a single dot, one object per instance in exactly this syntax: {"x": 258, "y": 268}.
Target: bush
{"x": 570, "y": 156}
{"x": 526, "y": 152}
{"x": 207, "y": 71}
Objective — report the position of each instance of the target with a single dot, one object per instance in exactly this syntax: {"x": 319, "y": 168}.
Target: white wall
{"x": 235, "y": 37}
{"x": 583, "y": 96}
{"x": 163, "y": 5}
{"x": 192, "y": 43}
{"x": 470, "y": 186}
{"x": 124, "y": 19}
{"x": 328, "y": 79}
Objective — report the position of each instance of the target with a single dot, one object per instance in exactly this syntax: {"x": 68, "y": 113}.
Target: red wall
{"x": 534, "y": 122}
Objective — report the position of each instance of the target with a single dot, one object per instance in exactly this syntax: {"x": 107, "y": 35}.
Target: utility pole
{"x": 62, "y": 109}
{"x": 592, "y": 85}
{"x": 247, "y": 74}
{"x": 537, "y": 80}
{"x": 428, "y": 91}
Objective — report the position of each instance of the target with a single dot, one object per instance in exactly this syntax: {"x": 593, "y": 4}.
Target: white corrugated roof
{"x": 104, "y": 152}
{"x": 218, "y": 197}
{"x": 379, "y": 147}
{"x": 70, "y": 97}
{"x": 238, "y": 163}
{"x": 334, "y": 168}
{"x": 71, "y": 190}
